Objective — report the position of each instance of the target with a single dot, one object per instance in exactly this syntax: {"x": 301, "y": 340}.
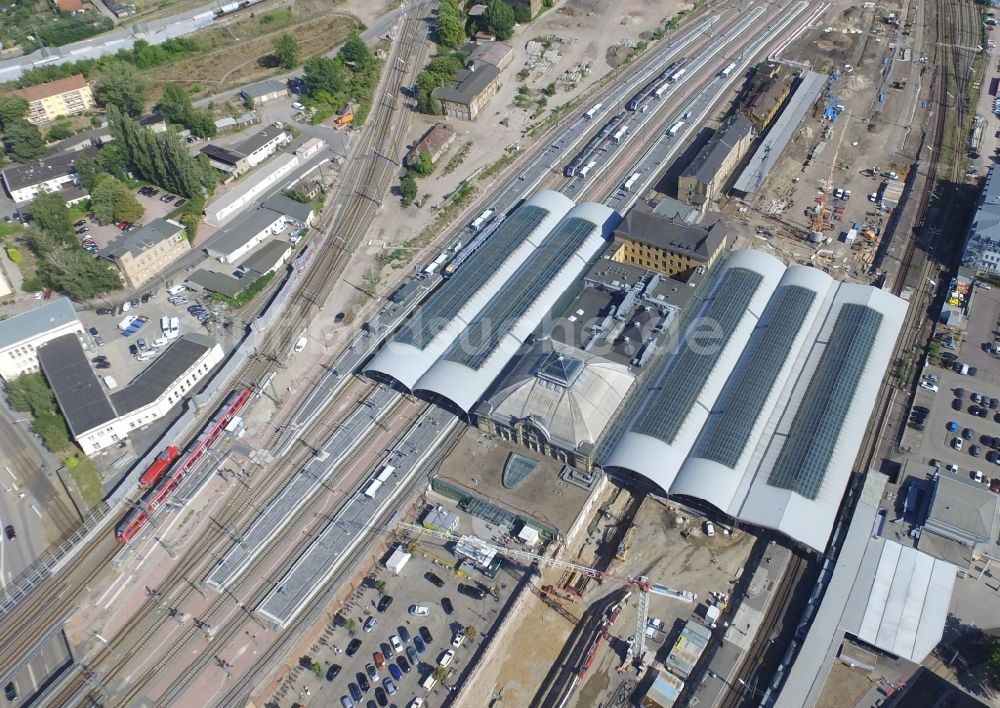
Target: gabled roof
{"x": 143, "y": 238}
{"x": 20, "y": 176}
{"x": 164, "y": 370}
{"x": 263, "y": 88}
{"x": 268, "y": 257}
{"x": 467, "y": 85}
{"x": 294, "y": 210}
{"x": 52, "y": 88}
{"x": 707, "y": 163}
{"x": 673, "y": 235}
{"x": 217, "y": 282}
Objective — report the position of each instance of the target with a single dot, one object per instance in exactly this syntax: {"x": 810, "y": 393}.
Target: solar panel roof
{"x": 805, "y": 455}
{"x": 726, "y": 434}
{"x": 481, "y": 338}
{"x": 467, "y": 280}
{"x": 678, "y": 389}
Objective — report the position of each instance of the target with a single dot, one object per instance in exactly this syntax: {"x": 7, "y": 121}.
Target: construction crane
{"x": 637, "y": 645}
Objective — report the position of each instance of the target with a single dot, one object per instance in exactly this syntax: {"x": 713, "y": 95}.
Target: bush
{"x": 53, "y": 431}
{"x": 246, "y": 295}
{"x": 14, "y": 255}
{"x": 407, "y": 189}
{"x": 59, "y": 131}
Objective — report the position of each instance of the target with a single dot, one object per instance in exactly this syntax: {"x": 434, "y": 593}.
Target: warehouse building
{"x": 469, "y": 92}
{"x": 141, "y": 254}
{"x": 265, "y": 91}
{"x": 671, "y": 246}
{"x": 252, "y": 188}
{"x": 245, "y": 234}
{"x": 248, "y": 153}
{"x": 266, "y": 259}
{"x": 703, "y": 180}
{"x": 98, "y": 419}
{"x": 440, "y": 321}
{"x": 765, "y": 424}
{"x": 56, "y": 99}
{"x": 211, "y": 281}
{"x": 21, "y": 335}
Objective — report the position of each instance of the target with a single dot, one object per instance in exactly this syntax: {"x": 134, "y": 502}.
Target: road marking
{"x": 35, "y": 509}
{"x": 115, "y": 596}
{"x": 31, "y": 673}
{"x": 3, "y": 547}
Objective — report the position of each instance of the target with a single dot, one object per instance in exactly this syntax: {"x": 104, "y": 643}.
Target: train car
{"x": 160, "y": 465}
{"x": 654, "y": 88}
{"x": 168, "y": 484}
{"x": 595, "y": 145}
{"x": 464, "y": 254}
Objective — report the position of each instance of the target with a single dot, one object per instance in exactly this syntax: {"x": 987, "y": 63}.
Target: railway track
{"x": 765, "y": 637}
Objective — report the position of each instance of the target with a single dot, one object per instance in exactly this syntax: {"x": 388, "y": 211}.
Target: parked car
{"x": 332, "y": 672}
{"x": 471, "y": 591}
{"x": 403, "y": 664}
{"x": 411, "y": 654}
{"x": 105, "y": 311}
{"x": 9, "y": 532}
{"x": 426, "y": 635}
{"x": 395, "y": 672}
{"x": 379, "y": 658}
{"x": 353, "y": 646}
{"x": 433, "y": 579}
{"x": 446, "y": 657}
{"x": 929, "y": 386}
{"x": 419, "y": 610}
{"x": 447, "y": 606}
{"x": 363, "y": 683}
{"x": 418, "y": 644}
{"x": 180, "y": 202}
{"x": 384, "y": 603}
{"x": 404, "y": 633}
{"x": 369, "y": 624}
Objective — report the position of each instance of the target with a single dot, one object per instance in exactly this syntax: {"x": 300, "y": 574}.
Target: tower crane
{"x": 637, "y": 644}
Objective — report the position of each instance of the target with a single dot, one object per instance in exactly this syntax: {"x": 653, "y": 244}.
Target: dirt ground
{"x": 867, "y": 133}
{"x": 239, "y": 49}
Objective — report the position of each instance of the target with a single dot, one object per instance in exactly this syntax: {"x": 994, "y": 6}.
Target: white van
{"x": 126, "y": 323}
{"x": 175, "y": 328}
{"x": 176, "y": 289}
{"x": 147, "y": 354}
{"x": 429, "y": 682}
{"x": 165, "y": 324}
{"x": 110, "y": 382}
{"x": 300, "y": 344}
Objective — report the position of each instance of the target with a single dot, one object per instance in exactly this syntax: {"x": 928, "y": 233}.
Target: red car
{"x": 995, "y": 485}
{"x": 122, "y": 225}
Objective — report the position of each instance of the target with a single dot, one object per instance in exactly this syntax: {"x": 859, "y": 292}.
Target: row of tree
{"x": 176, "y": 107}
{"x": 159, "y": 158}
{"x": 351, "y": 75}
{"x": 142, "y": 55}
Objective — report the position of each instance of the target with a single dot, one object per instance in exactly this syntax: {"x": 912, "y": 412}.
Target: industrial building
{"x": 671, "y": 246}
{"x": 762, "y": 417}
{"x": 770, "y": 148}
{"x": 434, "y": 142}
{"x": 243, "y": 194}
{"x": 771, "y": 90}
{"x": 25, "y": 182}
{"x": 703, "y": 180}
{"x": 141, "y": 254}
{"x": 21, "y": 335}
{"x": 266, "y": 259}
{"x": 469, "y": 92}
{"x": 56, "y": 99}
{"x": 962, "y": 521}
{"x": 273, "y": 216}
{"x": 98, "y": 419}
{"x": 265, "y": 91}
{"x": 982, "y": 242}
{"x": 210, "y": 281}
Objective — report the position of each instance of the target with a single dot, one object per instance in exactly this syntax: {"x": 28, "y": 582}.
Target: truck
{"x": 850, "y": 236}
{"x": 674, "y": 128}
{"x": 593, "y": 111}
{"x": 343, "y": 121}
{"x": 480, "y": 221}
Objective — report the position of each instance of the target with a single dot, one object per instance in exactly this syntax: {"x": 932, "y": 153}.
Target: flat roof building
{"x": 97, "y": 419}
{"x": 249, "y": 152}
{"x": 213, "y": 282}
{"x": 238, "y": 239}
{"x": 251, "y": 188}
{"x": 299, "y": 213}
{"x": 765, "y": 424}
{"x": 55, "y": 99}
{"x": 703, "y": 180}
{"x": 266, "y": 259}
{"x": 469, "y": 92}
{"x": 21, "y": 335}
{"x": 982, "y": 242}
{"x": 142, "y": 254}
{"x": 673, "y": 247}
{"x": 688, "y": 648}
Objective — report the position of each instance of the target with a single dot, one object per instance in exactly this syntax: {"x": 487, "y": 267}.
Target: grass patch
{"x": 10, "y": 230}
{"x": 85, "y": 475}
{"x": 496, "y": 167}
{"x": 458, "y": 158}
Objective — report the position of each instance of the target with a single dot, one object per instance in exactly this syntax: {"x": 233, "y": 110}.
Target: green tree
{"x": 356, "y": 52}
{"x": 121, "y": 85}
{"x": 426, "y": 164}
{"x": 440, "y": 674}
{"x": 175, "y": 104}
{"x": 53, "y": 431}
{"x": 450, "y": 24}
{"x": 12, "y": 108}
{"x": 317, "y": 669}
{"x": 499, "y": 19}
{"x": 380, "y": 587}
{"x": 86, "y": 169}
{"x": 994, "y": 663}
{"x": 351, "y": 626}
{"x": 522, "y": 13}
{"x": 324, "y": 75}
{"x": 407, "y": 189}
{"x": 286, "y": 50}
{"x": 59, "y": 131}
{"x": 66, "y": 267}
{"x": 470, "y": 632}
{"x": 30, "y": 393}
{"x": 50, "y": 215}
{"x": 111, "y": 201}
{"x": 24, "y": 141}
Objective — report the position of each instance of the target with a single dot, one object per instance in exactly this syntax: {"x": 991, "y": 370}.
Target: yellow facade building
{"x": 55, "y": 99}
{"x": 670, "y": 246}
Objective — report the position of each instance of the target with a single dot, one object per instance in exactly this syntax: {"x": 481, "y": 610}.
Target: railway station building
{"x": 703, "y": 180}
{"x": 98, "y": 417}
{"x": 763, "y": 419}
{"x": 673, "y": 247}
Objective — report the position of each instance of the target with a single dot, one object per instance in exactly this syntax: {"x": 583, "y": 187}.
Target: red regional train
{"x": 160, "y": 465}
{"x": 158, "y": 494}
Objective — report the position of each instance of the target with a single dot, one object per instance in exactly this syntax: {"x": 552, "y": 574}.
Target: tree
{"x": 50, "y": 215}
{"x": 499, "y": 19}
{"x": 356, "y": 52}
{"x": 522, "y": 13}
{"x": 450, "y": 25}
{"x": 407, "y": 189}
{"x": 86, "y": 171}
{"x": 380, "y": 587}
{"x": 426, "y": 164}
{"x": 111, "y": 201}
{"x": 121, "y": 85}
{"x": 470, "y": 632}
{"x": 286, "y": 50}
{"x": 324, "y": 75}
{"x": 351, "y": 626}
{"x": 30, "y": 393}
{"x": 175, "y": 104}
{"x": 994, "y": 662}
{"x": 24, "y": 141}
{"x": 59, "y": 131}
{"x": 440, "y": 674}
{"x": 317, "y": 669}
{"x": 12, "y": 108}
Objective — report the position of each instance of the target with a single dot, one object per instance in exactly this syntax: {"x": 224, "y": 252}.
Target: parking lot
{"x": 419, "y": 657}
{"x": 936, "y": 443}
{"x": 103, "y": 234}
